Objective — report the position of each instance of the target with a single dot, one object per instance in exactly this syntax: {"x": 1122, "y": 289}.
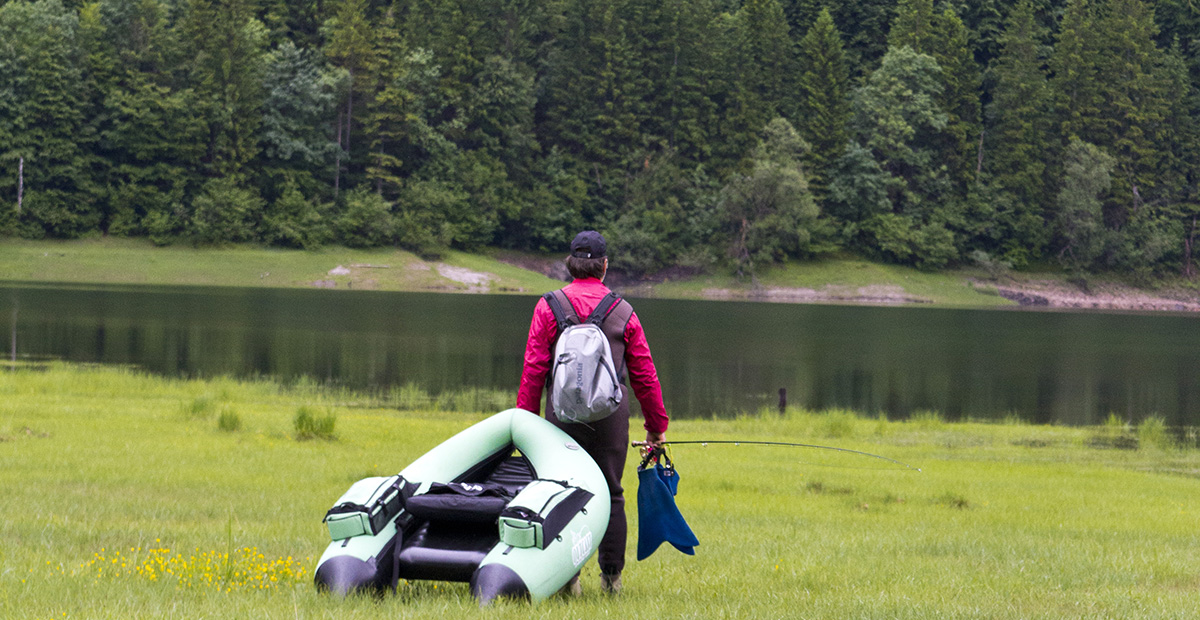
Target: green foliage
{"x": 994, "y": 267}
{"x": 518, "y": 122}
{"x": 199, "y": 407}
{"x": 1020, "y": 140}
{"x": 770, "y": 213}
{"x": 365, "y": 220}
{"x": 229, "y": 421}
{"x": 1087, "y": 179}
{"x": 300, "y": 97}
{"x": 1153, "y": 433}
{"x": 226, "y": 46}
{"x": 44, "y": 136}
{"x": 225, "y": 212}
{"x": 825, "y": 102}
{"x": 311, "y": 424}
{"x": 295, "y": 221}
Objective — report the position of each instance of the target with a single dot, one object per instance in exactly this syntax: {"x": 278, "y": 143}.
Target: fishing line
{"x": 782, "y": 444}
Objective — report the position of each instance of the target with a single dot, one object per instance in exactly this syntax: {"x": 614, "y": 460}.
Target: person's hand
{"x": 654, "y": 440}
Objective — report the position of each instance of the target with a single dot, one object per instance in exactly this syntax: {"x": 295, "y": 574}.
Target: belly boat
{"x": 511, "y": 505}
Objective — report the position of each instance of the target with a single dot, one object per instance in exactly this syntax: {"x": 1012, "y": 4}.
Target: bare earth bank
{"x": 1105, "y": 296}
{"x": 1044, "y": 292}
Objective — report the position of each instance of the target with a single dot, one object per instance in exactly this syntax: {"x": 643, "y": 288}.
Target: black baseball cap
{"x": 588, "y": 244}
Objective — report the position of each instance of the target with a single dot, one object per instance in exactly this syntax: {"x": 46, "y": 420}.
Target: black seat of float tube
{"x": 457, "y": 522}
{"x": 473, "y": 501}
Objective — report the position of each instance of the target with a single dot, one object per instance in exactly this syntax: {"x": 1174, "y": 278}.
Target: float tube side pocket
{"x": 538, "y": 514}
{"x": 367, "y": 507}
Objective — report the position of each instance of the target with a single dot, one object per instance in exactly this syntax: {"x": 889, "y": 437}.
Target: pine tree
{"x": 1076, "y": 75}
{"x": 151, "y": 132}
{"x": 42, "y": 121}
{"x": 959, "y": 99}
{"x": 1019, "y": 137}
{"x": 226, "y": 45}
{"x": 1136, "y": 100}
{"x": 824, "y": 99}
{"x": 1111, "y": 93}
{"x": 350, "y": 47}
{"x": 770, "y": 58}
{"x": 913, "y": 26}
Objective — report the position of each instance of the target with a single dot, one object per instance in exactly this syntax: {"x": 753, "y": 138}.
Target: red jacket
{"x": 585, "y": 294}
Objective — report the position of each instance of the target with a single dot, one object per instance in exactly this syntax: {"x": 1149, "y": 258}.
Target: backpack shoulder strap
{"x": 560, "y": 306}
{"x": 604, "y": 308}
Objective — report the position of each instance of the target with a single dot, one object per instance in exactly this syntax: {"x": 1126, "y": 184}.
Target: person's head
{"x": 589, "y": 256}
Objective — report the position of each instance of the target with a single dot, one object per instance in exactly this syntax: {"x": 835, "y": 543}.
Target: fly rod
{"x": 642, "y": 444}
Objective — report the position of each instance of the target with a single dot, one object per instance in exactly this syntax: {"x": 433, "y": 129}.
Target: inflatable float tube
{"x": 511, "y": 505}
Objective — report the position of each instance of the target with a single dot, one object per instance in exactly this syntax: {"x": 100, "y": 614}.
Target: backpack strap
{"x": 604, "y": 308}
{"x": 616, "y": 316}
{"x": 558, "y": 302}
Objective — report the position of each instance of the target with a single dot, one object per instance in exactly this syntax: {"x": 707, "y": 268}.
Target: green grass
{"x": 844, "y": 277}
{"x": 135, "y": 261}
{"x": 120, "y": 501}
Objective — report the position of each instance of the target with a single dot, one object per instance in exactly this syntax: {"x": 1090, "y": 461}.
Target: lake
{"x": 715, "y": 358}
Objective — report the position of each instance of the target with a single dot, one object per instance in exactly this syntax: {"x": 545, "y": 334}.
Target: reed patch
{"x": 309, "y": 423}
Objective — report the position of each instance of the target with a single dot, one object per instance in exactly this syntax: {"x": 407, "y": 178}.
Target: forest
{"x": 694, "y": 134}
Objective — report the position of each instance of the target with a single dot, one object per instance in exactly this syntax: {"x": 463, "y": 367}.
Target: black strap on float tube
{"x": 642, "y": 444}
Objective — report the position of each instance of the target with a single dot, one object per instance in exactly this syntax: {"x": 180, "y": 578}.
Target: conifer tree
{"x": 43, "y": 147}
{"x": 350, "y": 47}
{"x": 951, "y": 49}
{"x": 226, "y": 47}
{"x": 824, "y": 101}
{"x": 151, "y": 132}
{"x": 1111, "y": 93}
{"x": 1136, "y": 102}
{"x": 1019, "y": 138}
{"x": 913, "y": 26}
{"x": 770, "y": 59}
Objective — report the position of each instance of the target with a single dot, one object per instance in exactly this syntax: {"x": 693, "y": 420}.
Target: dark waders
{"x": 607, "y": 441}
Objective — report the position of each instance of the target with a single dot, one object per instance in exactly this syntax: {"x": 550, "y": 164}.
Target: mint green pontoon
{"x": 511, "y": 505}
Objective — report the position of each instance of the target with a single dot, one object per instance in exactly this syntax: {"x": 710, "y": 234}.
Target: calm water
{"x": 714, "y": 358}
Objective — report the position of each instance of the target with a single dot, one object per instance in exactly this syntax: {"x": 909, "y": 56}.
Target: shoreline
{"x": 842, "y": 280}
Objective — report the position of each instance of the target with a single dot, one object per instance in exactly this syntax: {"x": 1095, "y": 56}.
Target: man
{"x": 607, "y": 441}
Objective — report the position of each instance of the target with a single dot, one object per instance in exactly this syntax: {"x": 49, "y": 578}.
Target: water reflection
{"x": 714, "y": 358}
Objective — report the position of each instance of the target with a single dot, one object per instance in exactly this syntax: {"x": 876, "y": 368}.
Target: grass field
{"x": 848, "y": 277}
{"x": 128, "y": 495}
{"x": 134, "y": 261}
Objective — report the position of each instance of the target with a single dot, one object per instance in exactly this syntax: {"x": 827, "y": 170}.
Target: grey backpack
{"x": 585, "y": 384}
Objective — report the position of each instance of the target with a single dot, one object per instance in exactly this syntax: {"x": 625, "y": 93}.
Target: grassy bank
{"x": 134, "y": 261}
{"x": 130, "y": 261}
{"x": 134, "y": 496}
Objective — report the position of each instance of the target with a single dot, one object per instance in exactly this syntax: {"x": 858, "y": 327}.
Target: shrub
{"x": 229, "y": 421}
{"x": 1114, "y": 433}
{"x": 366, "y": 220}
{"x": 1153, "y": 433}
{"x": 225, "y": 212}
{"x": 310, "y": 425}
{"x": 200, "y": 407}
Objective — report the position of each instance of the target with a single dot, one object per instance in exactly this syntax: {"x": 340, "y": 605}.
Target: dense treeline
{"x": 692, "y": 132}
